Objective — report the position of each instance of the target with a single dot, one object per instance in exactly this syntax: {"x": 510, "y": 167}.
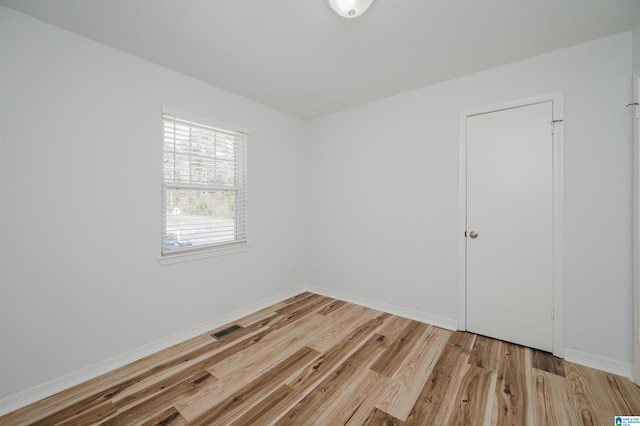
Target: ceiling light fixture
{"x": 350, "y": 8}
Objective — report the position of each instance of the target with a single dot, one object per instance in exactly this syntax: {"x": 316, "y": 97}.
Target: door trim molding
{"x": 558, "y": 210}
{"x": 636, "y": 230}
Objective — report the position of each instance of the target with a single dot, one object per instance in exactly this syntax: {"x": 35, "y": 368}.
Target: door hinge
{"x": 639, "y": 335}
{"x": 553, "y": 127}
{"x": 553, "y": 314}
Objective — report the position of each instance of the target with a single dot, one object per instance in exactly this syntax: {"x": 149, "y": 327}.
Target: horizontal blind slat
{"x": 204, "y": 195}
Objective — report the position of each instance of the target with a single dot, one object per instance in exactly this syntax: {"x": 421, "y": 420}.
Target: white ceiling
{"x": 302, "y": 58}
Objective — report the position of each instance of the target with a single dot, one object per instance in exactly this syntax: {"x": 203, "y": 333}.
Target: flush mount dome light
{"x": 350, "y": 8}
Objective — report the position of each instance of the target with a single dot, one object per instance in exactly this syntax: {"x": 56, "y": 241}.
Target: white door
{"x": 510, "y": 225}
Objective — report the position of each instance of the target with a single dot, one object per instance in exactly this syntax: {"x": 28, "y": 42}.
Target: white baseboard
{"x": 44, "y": 390}
{"x": 438, "y": 321}
{"x": 594, "y": 361}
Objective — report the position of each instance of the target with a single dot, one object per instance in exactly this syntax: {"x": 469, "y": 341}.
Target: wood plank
{"x": 432, "y": 405}
{"x": 630, "y": 392}
{"x": 547, "y": 362}
{"x": 393, "y": 358}
{"x": 616, "y": 401}
{"x": 400, "y": 396}
{"x": 356, "y": 402}
{"x": 242, "y": 368}
{"x": 378, "y": 417}
{"x": 342, "y": 323}
{"x": 582, "y": 392}
{"x": 384, "y": 316}
{"x": 304, "y": 306}
{"x": 325, "y": 394}
{"x": 80, "y": 397}
{"x": 271, "y": 408}
{"x": 205, "y": 343}
{"x": 244, "y": 399}
{"x": 394, "y": 326}
{"x": 190, "y": 345}
{"x": 280, "y": 344}
{"x": 330, "y": 360}
{"x": 92, "y": 415}
{"x": 513, "y": 390}
{"x": 597, "y": 394}
{"x": 169, "y": 417}
{"x": 474, "y": 402}
{"x": 198, "y": 403}
{"x": 553, "y": 404}
{"x": 200, "y": 355}
{"x": 290, "y": 314}
{"x": 161, "y": 401}
{"x": 178, "y": 372}
{"x": 83, "y": 404}
{"x": 270, "y": 350}
{"x": 485, "y": 353}
{"x": 333, "y": 306}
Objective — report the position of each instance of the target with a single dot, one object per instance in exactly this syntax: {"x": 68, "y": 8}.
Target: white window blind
{"x": 204, "y": 186}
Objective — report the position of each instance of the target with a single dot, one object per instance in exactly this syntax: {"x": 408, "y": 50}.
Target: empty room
{"x": 319, "y": 212}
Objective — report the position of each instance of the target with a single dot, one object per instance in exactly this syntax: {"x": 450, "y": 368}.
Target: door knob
{"x": 473, "y": 234}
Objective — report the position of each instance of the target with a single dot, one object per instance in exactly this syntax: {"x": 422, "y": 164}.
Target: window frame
{"x": 240, "y": 241}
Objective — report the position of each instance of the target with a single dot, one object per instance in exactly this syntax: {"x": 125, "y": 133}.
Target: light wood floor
{"x": 315, "y": 360}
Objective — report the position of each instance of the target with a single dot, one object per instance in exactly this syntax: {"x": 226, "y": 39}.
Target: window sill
{"x": 196, "y": 254}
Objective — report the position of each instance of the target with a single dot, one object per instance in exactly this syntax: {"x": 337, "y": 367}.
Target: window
{"x": 204, "y": 187}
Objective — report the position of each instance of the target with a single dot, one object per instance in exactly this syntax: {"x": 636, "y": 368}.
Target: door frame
{"x": 636, "y": 227}
{"x": 558, "y": 211}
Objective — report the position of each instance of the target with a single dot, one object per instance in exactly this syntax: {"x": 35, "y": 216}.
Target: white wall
{"x": 636, "y": 48}
{"x": 80, "y": 161}
{"x": 383, "y": 191}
